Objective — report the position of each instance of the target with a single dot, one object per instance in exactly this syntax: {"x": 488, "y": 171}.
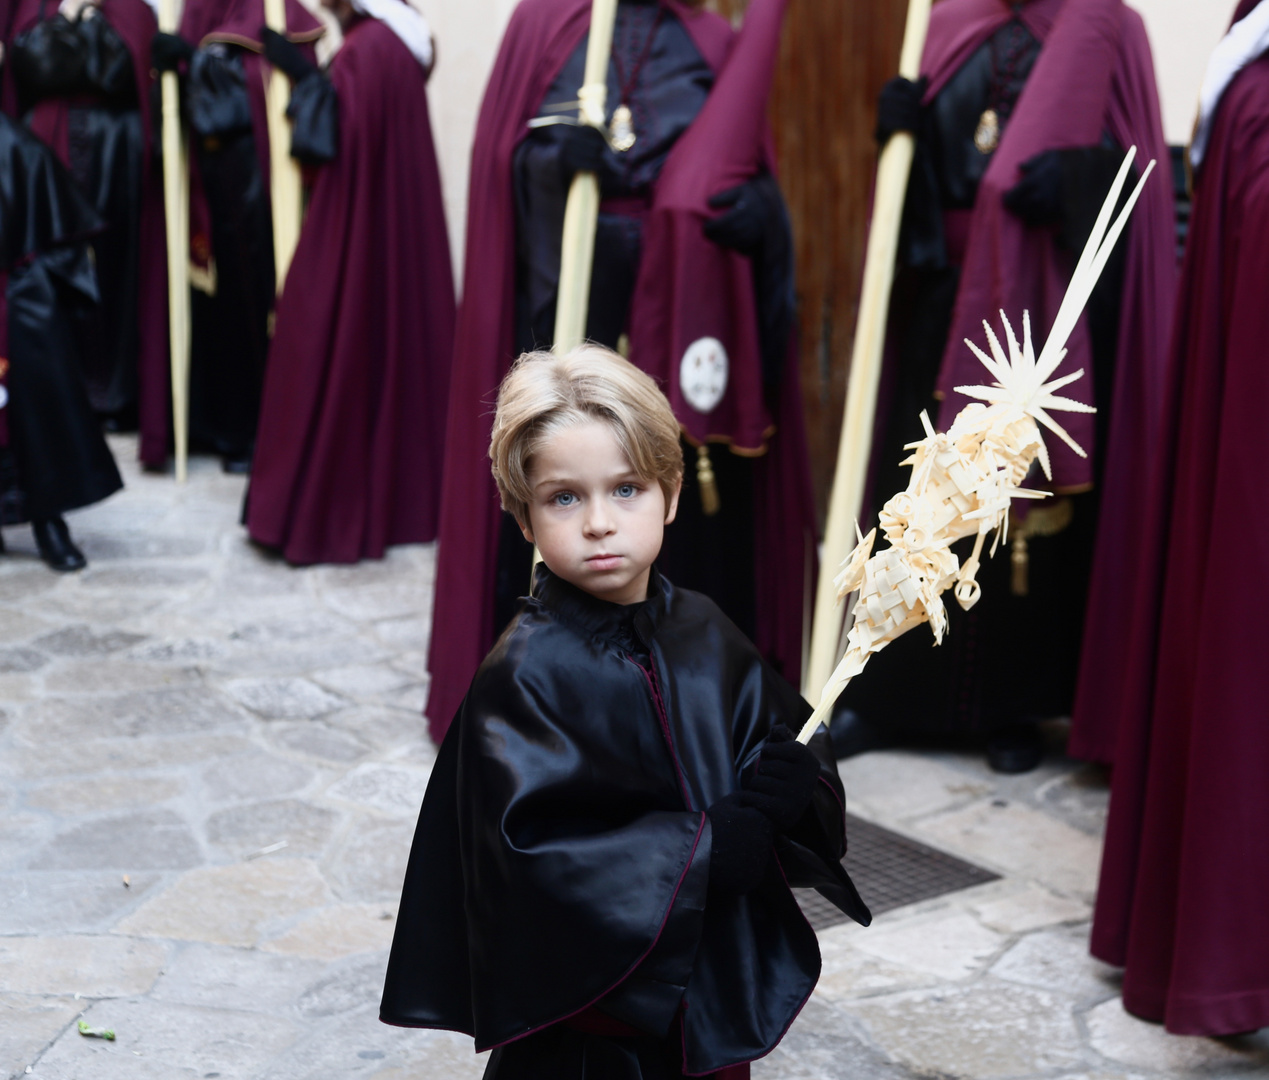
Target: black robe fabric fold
{"x": 561, "y": 857}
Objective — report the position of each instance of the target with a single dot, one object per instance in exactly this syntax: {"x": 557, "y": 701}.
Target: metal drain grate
{"x": 891, "y": 871}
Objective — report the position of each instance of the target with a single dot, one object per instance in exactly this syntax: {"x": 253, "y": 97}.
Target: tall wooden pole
{"x": 865, "y": 370}
{"x": 284, "y": 171}
{"x": 581, "y": 214}
{"x": 176, "y": 215}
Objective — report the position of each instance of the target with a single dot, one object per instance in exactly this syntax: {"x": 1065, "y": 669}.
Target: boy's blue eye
{"x": 564, "y": 498}
{"x": 627, "y": 491}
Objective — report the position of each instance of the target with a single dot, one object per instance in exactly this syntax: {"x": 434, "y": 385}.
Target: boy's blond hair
{"x": 544, "y": 393}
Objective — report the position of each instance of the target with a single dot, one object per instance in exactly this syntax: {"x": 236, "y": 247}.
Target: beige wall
{"x": 1182, "y": 34}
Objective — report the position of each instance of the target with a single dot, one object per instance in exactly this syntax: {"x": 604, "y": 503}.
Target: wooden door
{"x": 835, "y": 55}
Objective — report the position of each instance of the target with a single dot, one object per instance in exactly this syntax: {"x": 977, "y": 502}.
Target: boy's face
{"x": 597, "y": 523}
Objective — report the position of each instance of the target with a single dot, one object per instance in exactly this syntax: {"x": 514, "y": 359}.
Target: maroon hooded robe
{"x": 540, "y": 38}
{"x": 352, "y": 423}
{"x": 135, "y": 23}
{"x": 1182, "y": 902}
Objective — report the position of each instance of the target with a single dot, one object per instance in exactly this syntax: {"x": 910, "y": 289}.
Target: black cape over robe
{"x": 56, "y": 458}
{"x": 562, "y": 852}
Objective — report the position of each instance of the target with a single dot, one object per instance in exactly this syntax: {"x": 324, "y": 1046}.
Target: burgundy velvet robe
{"x": 352, "y": 422}
{"x": 1182, "y": 902}
{"x": 135, "y": 23}
{"x": 539, "y": 39}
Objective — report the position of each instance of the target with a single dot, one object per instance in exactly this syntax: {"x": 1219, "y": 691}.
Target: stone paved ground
{"x": 209, "y": 769}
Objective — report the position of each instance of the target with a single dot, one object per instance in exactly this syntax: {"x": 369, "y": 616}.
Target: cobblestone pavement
{"x": 210, "y": 764}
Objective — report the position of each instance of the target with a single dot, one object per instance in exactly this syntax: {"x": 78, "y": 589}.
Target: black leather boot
{"x": 57, "y": 548}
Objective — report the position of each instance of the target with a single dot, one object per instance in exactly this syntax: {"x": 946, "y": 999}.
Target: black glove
{"x": 784, "y": 779}
{"x": 744, "y": 226}
{"x": 582, "y": 149}
{"x": 1037, "y": 197}
{"x": 741, "y": 844}
{"x": 286, "y": 56}
{"x": 899, "y": 107}
{"x": 169, "y": 51}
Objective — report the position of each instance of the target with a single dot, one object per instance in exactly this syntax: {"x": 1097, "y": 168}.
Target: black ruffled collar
{"x": 631, "y": 627}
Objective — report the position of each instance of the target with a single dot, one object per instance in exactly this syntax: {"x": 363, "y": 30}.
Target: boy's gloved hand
{"x": 285, "y": 55}
{"x": 581, "y": 150}
{"x": 784, "y": 779}
{"x": 741, "y": 845}
{"x": 169, "y": 51}
{"x": 899, "y": 107}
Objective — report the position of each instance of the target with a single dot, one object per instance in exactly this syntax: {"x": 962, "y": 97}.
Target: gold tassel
{"x": 1021, "y": 561}
{"x": 706, "y": 482}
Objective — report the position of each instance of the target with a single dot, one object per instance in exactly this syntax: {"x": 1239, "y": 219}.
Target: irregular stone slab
{"x": 92, "y": 966}
{"x": 411, "y": 633}
{"x": 339, "y": 931}
{"x": 948, "y": 944}
{"x": 157, "y": 1040}
{"x": 849, "y": 972}
{"x": 103, "y": 794}
{"x": 15, "y": 688}
{"x": 315, "y": 740}
{"x": 243, "y": 830}
{"x": 27, "y": 1025}
{"x": 347, "y": 987}
{"x": 84, "y": 640}
{"x": 101, "y": 546}
{"x": 373, "y": 603}
{"x": 363, "y": 682}
{"x": 116, "y": 676}
{"x": 20, "y": 834}
{"x": 230, "y": 905}
{"x": 1121, "y": 1037}
{"x": 899, "y": 785}
{"x": 220, "y": 977}
{"x": 825, "y": 1042}
{"x": 382, "y": 728}
{"x": 69, "y": 901}
{"x": 148, "y": 840}
{"x": 985, "y": 1030}
{"x": 1018, "y": 840}
{"x": 389, "y": 789}
{"x": 18, "y": 661}
{"x": 166, "y": 577}
{"x": 254, "y": 776}
{"x": 370, "y": 862}
{"x": 184, "y": 651}
{"x": 1080, "y": 798}
{"x": 1059, "y": 960}
{"x": 18, "y": 583}
{"x": 109, "y": 755}
{"x": 17, "y": 625}
{"x": 154, "y": 712}
{"x": 287, "y": 699}
{"x": 1028, "y": 908}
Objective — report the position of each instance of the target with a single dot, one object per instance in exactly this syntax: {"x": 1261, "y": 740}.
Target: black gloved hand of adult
{"x": 1037, "y": 197}
{"x": 286, "y": 56}
{"x": 740, "y": 846}
{"x": 169, "y": 51}
{"x": 899, "y": 107}
{"x": 784, "y": 779}
{"x": 744, "y": 225}
{"x": 581, "y": 150}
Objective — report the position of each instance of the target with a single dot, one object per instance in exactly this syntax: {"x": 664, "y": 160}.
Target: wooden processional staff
{"x": 865, "y": 371}
{"x": 581, "y": 214}
{"x": 284, "y": 171}
{"x": 176, "y": 221}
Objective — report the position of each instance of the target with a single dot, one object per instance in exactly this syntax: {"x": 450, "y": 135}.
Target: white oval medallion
{"x": 703, "y": 374}
{"x": 4, "y": 397}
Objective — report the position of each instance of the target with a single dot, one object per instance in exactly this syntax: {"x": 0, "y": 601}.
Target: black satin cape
{"x": 60, "y": 457}
{"x": 561, "y": 856}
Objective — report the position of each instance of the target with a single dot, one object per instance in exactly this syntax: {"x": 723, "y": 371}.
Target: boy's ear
{"x": 526, "y": 528}
{"x": 673, "y": 508}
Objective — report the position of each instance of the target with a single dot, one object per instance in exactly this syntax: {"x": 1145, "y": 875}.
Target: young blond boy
{"x": 592, "y": 889}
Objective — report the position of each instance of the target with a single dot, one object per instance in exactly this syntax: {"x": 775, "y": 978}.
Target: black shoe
{"x": 57, "y": 548}
{"x": 236, "y": 464}
{"x": 851, "y": 734}
{"x": 1018, "y": 748}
